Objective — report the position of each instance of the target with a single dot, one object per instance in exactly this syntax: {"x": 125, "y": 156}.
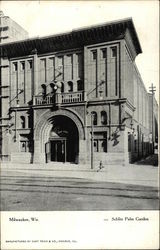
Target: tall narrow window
{"x": 94, "y": 117}
{"x": 59, "y": 68}
{"x": 52, "y": 68}
{"x": 15, "y": 67}
{"x": 22, "y": 122}
{"x": 62, "y": 87}
{"x": 43, "y": 64}
{"x": 44, "y": 91}
{"x": 52, "y": 88}
{"x": 114, "y": 51}
{"x": 30, "y": 64}
{"x": 94, "y": 54}
{"x": 22, "y": 66}
{"x": 70, "y": 85}
{"x": 103, "y": 118}
{"x": 43, "y": 70}
{"x": 69, "y": 66}
{"x": 103, "y": 54}
{"x": 80, "y": 85}
{"x": 79, "y": 65}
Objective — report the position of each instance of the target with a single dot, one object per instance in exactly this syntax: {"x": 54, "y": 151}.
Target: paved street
{"x": 39, "y": 190}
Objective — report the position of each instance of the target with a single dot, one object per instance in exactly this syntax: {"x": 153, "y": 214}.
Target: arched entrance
{"x": 65, "y": 125}
{"x": 63, "y": 141}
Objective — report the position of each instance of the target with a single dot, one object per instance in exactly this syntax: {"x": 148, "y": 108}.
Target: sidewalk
{"x": 134, "y": 174}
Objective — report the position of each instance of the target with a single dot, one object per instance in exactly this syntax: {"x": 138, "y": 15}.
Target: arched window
{"x": 80, "y": 86}
{"x": 103, "y": 118}
{"x": 62, "y": 87}
{"x": 94, "y": 117}
{"x": 70, "y": 85}
{"x": 44, "y": 90}
{"x": 22, "y": 121}
{"x": 53, "y": 88}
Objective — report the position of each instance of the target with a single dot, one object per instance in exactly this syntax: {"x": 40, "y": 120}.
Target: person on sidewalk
{"x": 100, "y": 166}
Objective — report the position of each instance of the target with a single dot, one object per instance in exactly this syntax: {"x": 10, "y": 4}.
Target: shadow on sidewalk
{"x": 150, "y": 160}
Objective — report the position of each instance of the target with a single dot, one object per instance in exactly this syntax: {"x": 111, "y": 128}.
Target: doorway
{"x": 58, "y": 150}
{"x": 63, "y": 143}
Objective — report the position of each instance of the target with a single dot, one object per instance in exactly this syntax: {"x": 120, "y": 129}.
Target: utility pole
{"x": 152, "y": 89}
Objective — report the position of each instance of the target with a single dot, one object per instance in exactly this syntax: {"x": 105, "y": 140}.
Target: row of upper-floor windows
{"x": 52, "y": 62}
{"x": 22, "y": 65}
{"x": 103, "y": 53}
{"x": 103, "y": 118}
{"x": 53, "y": 87}
{"x": 68, "y": 59}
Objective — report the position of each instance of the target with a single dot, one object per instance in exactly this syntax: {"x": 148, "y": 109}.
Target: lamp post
{"x": 92, "y": 141}
{"x": 17, "y": 105}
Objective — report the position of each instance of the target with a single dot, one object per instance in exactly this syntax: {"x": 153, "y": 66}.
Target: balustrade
{"x": 59, "y": 98}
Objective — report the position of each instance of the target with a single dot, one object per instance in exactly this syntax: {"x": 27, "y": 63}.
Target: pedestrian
{"x": 100, "y": 166}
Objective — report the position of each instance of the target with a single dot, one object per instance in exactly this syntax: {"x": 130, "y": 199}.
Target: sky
{"x": 41, "y": 18}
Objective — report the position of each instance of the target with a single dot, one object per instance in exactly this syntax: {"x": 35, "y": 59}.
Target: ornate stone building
{"x": 76, "y": 95}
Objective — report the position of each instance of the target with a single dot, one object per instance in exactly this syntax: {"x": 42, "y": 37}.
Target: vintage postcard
{"x": 79, "y": 93}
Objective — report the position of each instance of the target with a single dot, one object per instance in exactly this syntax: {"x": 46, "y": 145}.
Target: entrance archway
{"x": 63, "y": 141}
{"x": 51, "y": 121}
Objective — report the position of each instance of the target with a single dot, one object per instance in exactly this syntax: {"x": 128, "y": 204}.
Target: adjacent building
{"x": 10, "y": 30}
{"x": 75, "y": 97}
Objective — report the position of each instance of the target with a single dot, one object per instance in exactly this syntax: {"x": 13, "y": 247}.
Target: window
{"x": 43, "y": 90}
{"x": 22, "y": 65}
{"x": 94, "y": 117}
{"x": 43, "y": 70}
{"x": 59, "y": 68}
{"x": 69, "y": 59}
{"x": 114, "y": 51}
{"x": 25, "y": 146}
{"x": 26, "y": 143}
{"x": 60, "y": 61}
{"x": 104, "y": 54}
{"x": 22, "y": 122}
{"x": 100, "y": 142}
{"x": 70, "y": 85}
{"x": 80, "y": 85}
{"x": 43, "y": 64}
{"x": 100, "y": 145}
{"x": 94, "y": 54}
{"x": 30, "y": 64}
{"x": 79, "y": 58}
{"x": 103, "y": 118}
{"x": 95, "y": 144}
{"x": 15, "y": 66}
{"x": 53, "y": 88}
{"x": 62, "y": 87}
{"x": 52, "y": 62}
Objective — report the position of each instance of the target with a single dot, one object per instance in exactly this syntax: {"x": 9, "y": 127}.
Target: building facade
{"x": 75, "y": 97}
{"x": 10, "y": 30}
